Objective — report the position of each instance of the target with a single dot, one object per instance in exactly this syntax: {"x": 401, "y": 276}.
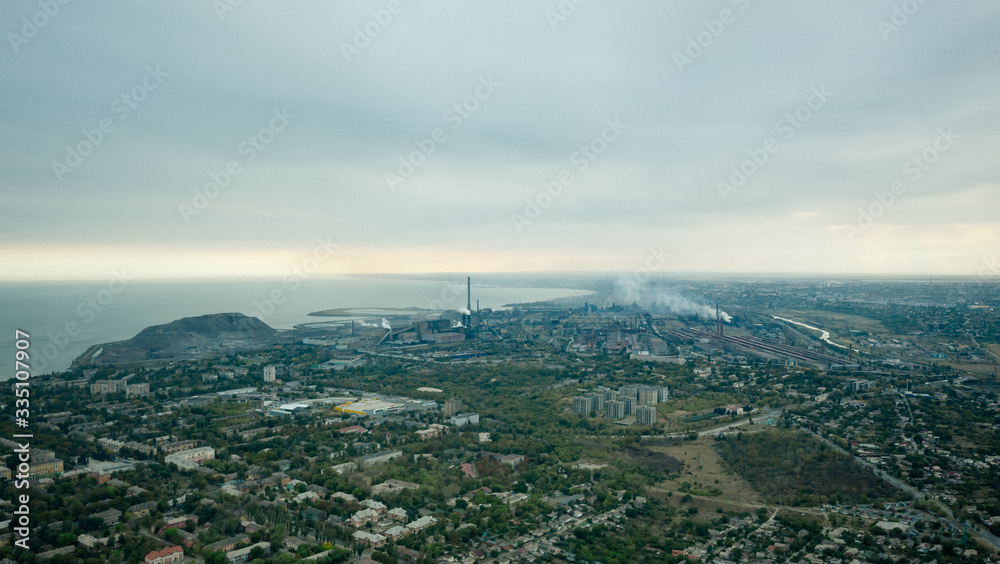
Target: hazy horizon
{"x": 396, "y": 138}
{"x": 596, "y": 275}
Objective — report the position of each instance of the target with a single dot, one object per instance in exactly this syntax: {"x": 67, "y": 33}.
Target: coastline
{"x": 66, "y": 326}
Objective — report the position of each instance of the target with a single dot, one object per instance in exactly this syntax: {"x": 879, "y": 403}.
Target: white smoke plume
{"x": 630, "y": 289}
{"x": 456, "y": 324}
{"x": 366, "y": 324}
{"x": 385, "y": 324}
{"x": 463, "y": 311}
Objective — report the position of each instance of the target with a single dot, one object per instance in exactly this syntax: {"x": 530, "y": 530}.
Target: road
{"x": 758, "y": 417}
{"x": 983, "y": 534}
{"x": 877, "y": 471}
{"x": 907, "y": 402}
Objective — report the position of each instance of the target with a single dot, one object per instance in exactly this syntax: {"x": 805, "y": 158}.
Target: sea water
{"x": 65, "y": 318}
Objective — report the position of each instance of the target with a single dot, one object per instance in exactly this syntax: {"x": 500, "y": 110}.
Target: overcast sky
{"x": 827, "y": 107}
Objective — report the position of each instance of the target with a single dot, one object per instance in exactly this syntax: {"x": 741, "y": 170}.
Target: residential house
{"x": 140, "y": 510}
{"x": 229, "y": 544}
{"x": 165, "y": 556}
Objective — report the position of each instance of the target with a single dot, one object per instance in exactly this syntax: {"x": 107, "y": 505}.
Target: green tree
{"x": 172, "y": 535}
{"x": 278, "y": 537}
{"x": 66, "y": 539}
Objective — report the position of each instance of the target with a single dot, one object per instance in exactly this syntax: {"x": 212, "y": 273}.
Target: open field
{"x": 652, "y": 459}
{"x": 993, "y": 348}
{"x": 981, "y": 368}
{"x": 703, "y": 470}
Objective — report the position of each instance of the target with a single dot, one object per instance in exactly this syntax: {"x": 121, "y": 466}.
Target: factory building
{"x": 370, "y": 407}
{"x": 645, "y": 415}
{"x": 445, "y": 338}
{"x": 288, "y": 409}
{"x": 437, "y": 331}
{"x": 581, "y": 406}
{"x": 237, "y": 392}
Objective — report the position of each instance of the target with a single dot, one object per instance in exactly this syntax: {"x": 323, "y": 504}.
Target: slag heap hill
{"x": 190, "y": 337}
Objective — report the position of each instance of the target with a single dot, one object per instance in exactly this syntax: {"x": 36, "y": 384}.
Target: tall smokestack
{"x": 718, "y": 320}
{"x": 467, "y": 316}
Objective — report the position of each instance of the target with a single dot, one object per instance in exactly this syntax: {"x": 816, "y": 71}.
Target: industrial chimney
{"x": 467, "y": 316}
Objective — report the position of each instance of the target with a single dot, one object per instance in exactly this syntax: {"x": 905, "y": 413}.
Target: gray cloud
{"x": 656, "y": 184}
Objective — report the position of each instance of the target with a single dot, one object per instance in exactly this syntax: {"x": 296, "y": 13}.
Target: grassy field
{"x": 702, "y": 467}
{"x": 993, "y": 348}
{"x": 984, "y": 369}
{"x": 703, "y": 471}
{"x": 702, "y": 417}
